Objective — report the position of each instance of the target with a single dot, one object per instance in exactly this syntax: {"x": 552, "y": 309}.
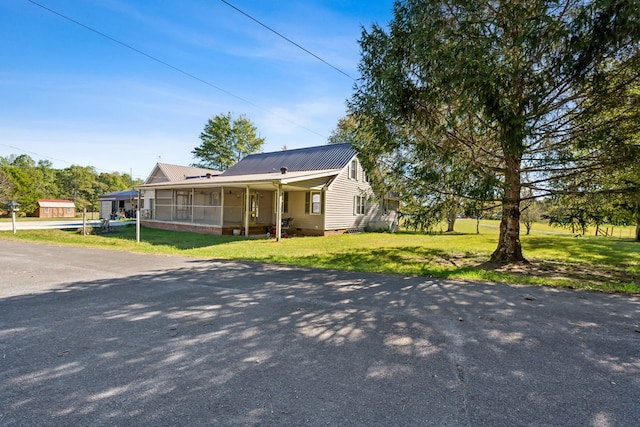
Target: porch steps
{"x": 254, "y": 230}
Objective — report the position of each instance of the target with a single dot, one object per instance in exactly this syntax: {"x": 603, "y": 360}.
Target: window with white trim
{"x": 316, "y": 203}
{"x": 358, "y": 205}
{"x": 313, "y": 203}
{"x": 353, "y": 170}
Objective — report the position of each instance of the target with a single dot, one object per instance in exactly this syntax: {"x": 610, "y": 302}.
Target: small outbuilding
{"x": 55, "y": 209}
{"x": 120, "y": 204}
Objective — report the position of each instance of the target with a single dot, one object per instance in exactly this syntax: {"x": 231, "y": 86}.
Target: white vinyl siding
{"x": 341, "y": 199}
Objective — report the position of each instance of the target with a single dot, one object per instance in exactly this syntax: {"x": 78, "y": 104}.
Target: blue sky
{"x": 72, "y": 96}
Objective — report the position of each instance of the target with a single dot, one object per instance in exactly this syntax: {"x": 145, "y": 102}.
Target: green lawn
{"x": 556, "y": 258}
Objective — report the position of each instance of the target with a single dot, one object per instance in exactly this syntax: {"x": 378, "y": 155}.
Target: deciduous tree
{"x": 345, "y": 131}
{"x": 80, "y": 184}
{"x": 226, "y": 141}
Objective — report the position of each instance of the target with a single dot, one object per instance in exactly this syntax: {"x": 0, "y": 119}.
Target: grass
{"x": 556, "y": 258}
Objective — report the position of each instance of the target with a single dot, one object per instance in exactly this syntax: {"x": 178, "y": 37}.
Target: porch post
{"x": 193, "y": 200}
{"x": 279, "y": 212}
{"x": 138, "y": 219}
{"x": 246, "y": 212}
{"x": 221, "y": 207}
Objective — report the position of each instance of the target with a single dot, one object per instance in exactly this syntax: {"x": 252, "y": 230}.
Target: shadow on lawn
{"x": 407, "y": 260}
{"x": 424, "y": 261}
{"x": 601, "y": 250}
{"x": 591, "y": 261}
{"x": 176, "y": 239}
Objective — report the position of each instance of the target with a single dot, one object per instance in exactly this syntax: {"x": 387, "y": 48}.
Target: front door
{"x": 254, "y": 207}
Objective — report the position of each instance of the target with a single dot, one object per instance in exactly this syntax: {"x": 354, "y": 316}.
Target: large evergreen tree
{"x": 498, "y": 90}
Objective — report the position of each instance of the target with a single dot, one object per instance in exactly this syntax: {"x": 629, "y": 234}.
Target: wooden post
{"x": 246, "y": 212}
{"x": 279, "y": 212}
{"x": 84, "y": 221}
{"x": 138, "y": 219}
{"x": 221, "y": 209}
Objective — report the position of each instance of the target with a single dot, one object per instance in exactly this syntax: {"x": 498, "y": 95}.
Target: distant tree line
{"x": 26, "y": 181}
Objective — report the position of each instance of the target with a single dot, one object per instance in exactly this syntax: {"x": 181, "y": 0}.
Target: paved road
{"x": 44, "y": 225}
{"x": 90, "y": 337}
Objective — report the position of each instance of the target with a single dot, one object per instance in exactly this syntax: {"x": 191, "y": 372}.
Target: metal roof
{"x": 263, "y": 181}
{"x": 120, "y": 195}
{"x": 169, "y": 172}
{"x": 44, "y": 203}
{"x": 324, "y": 157}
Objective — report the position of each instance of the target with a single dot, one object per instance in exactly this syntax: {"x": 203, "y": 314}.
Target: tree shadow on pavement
{"x": 253, "y": 344}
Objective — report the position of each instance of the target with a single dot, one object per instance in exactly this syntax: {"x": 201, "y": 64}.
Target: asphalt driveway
{"x": 91, "y": 337}
{"x": 29, "y": 224}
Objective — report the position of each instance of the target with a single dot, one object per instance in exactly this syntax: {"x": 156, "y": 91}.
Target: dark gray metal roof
{"x": 121, "y": 195}
{"x": 333, "y": 156}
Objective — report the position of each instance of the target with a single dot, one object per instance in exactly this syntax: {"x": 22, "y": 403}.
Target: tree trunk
{"x": 509, "y": 248}
{"x": 451, "y": 220}
{"x": 638, "y": 229}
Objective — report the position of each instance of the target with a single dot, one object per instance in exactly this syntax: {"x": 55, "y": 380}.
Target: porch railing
{"x": 196, "y": 214}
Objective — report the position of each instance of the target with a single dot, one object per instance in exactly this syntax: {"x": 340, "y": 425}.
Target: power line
{"x": 36, "y": 154}
{"x": 166, "y": 64}
{"x": 60, "y": 160}
{"x": 285, "y": 38}
{"x": 128, "y": 46}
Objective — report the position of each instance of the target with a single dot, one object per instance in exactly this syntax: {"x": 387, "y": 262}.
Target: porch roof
{"x": 120, "y": 195}
{"x": 260, "y": 181}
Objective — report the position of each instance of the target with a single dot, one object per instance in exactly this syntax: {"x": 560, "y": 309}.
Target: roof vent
{"x": 283, "y": 170}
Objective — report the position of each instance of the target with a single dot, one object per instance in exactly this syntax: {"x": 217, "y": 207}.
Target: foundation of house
{"x": 234, "y": 229}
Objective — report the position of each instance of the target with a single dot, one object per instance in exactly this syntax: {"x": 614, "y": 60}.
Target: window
{"x": 46, "y": 210}
{"x": 68, "y": 210}
{"x": 285, "y": 203}
{"x": 313, "y": 203}
{"x": 316, "y": 203}
{"x": 358, "y": 205}
{"x": 353, "y": 170}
